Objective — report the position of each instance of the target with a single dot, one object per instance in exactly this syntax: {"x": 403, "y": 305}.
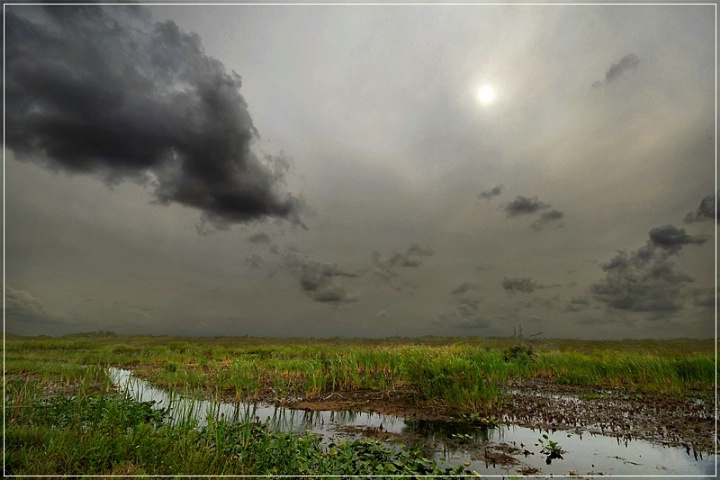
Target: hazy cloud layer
{"x": 110, "y": 92}
{"x": 494, "y": 192}
{"x": 704, "y": 212}
{"x": 23, "y": 307}
{"x": 645, "y": 280}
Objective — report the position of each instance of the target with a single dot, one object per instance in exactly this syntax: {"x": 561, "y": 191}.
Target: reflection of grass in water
{"x": 461, "y": 376}
{"x": 97, "y": 431}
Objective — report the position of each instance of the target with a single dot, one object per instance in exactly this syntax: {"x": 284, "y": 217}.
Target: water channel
{"x": 505, "y": 450}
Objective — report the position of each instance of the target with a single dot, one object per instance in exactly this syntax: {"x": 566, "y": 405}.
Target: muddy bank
{"x": 672, "y": 421}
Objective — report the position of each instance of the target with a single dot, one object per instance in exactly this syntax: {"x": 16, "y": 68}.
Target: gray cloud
{"x": 577, "y": 304}
{"x": 628, "y": 62}
{"x": 494, "y": 192}
{"x": 318, "y": 280}
{"x": 705, "y": 211}
{"x": 646, "y": 280}
{"x": 464, "y": 288}
{"x": 671, "y": 238}
{"x": 542, "y": 302}
{"x": 22, "y": 306}
{"x": 524, "y": 206}
{"x": 260, "y": 237}
{"x": 704, "y": 297}
{"x": 519, "y": 284}
{"x": 616, "y": 70}
{"x": 386, "y": 268}
{"x": 547, "y": 217}
{"x": 484, "y": 266}
{"x": 112, "y": 93}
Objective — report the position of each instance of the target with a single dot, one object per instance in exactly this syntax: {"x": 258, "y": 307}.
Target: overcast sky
{"x": 361, "y": 170}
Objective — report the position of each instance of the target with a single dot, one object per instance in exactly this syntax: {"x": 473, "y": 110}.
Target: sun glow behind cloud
{"x": 486, "y": 95}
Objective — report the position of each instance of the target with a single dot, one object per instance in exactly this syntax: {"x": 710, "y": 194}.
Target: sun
{"x": 486, "y": 94}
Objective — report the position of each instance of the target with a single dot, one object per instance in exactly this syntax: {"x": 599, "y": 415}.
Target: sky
{"x": 361, "y": 171}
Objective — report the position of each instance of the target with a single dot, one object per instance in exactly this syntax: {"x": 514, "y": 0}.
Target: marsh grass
{"x": 64, "y": 417}
{"x": 97, "y": 431}
{"x": 461, "y": 375}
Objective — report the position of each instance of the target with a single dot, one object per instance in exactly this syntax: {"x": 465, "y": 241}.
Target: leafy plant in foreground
{"x": 550, "y": 449}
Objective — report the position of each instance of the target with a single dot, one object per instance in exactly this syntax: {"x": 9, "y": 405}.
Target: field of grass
{"x": 63, "y": 417}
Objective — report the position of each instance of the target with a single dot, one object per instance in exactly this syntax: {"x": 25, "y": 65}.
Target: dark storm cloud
{"x": 547, "y": 217}
{"x": 110, "y": 92}
{"x": 494, "y": 192}
{"x": 257, "y": 238}
{"x": 616, "y": 70}
{"x": 23, "y": 307}
{"x": 704, "y": 212}
{"x": 519, "y": 284}
{"x": 524, "y": 206}
{"x": 645, "y": 280}
{"x": 671, "y": 238}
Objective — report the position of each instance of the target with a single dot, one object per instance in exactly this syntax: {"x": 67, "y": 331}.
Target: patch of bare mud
{"x": 393, "y": 403}
{"x": 673, "y": 421}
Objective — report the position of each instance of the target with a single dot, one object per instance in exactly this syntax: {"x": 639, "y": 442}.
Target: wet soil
{"x": 672, "y": 421}
{"x": 541, "y": 404}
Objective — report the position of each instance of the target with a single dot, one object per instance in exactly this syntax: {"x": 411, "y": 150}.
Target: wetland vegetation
{"x": 64, "y": 416}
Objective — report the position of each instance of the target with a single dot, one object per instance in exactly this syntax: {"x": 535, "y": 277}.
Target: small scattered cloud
{"x": 319, "y": 280}
{"x": 464, "y": 288}
{"x": 524, "y": 206}
{"x": 577, "y": 304}
{"x": 387, "y": 268}
{"x": 382, "y": 314}
{"x": 519, "y": 284}
{"x": 547, "y": 217}
{"x": 488, "y": 194}
{"x": 704, "y": 212}
{"x": 258, "y": 238}
{"x": 627, "y": 63}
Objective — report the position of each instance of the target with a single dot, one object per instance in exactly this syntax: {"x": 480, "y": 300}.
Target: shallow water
{"x": 587, "y": 454}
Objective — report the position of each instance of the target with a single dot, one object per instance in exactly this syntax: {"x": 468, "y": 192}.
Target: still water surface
{"x": 586, "y": 455}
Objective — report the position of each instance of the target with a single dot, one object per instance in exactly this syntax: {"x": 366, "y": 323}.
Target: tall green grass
{"x": 460, "y": 376}
{"x": 96, "y": 431}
